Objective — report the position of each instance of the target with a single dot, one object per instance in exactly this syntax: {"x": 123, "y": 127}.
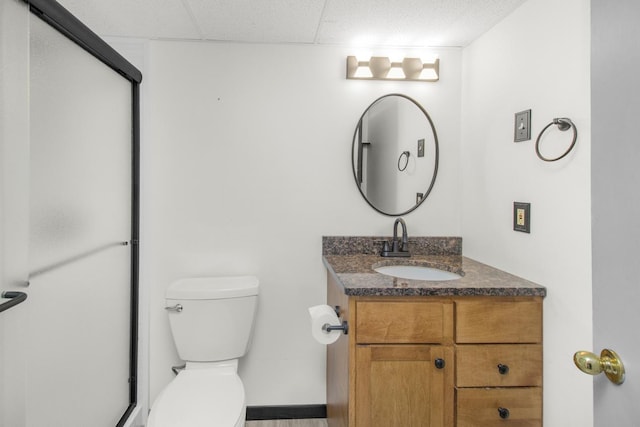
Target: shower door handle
{"x": 14, "y": 298}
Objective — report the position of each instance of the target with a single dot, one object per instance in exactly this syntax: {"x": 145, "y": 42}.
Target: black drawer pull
{"x": 503, "y": 369}
{"x": 439, "y": 363}
{"x": 504, "y": 413}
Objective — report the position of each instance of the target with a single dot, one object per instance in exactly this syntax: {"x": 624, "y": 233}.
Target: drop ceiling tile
{"x": 269, "y": 21}
{"x": 410, "y": 22}
{"x": 135, "y": 18}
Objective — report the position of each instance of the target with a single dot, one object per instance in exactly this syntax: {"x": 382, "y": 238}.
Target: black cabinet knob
{"x": 439, "y": 363}
{"x": 504, "y": 413}
{"x": 503, "y": 369}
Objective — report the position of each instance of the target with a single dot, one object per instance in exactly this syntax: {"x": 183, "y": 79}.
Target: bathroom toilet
{"x": 211, "y": 321}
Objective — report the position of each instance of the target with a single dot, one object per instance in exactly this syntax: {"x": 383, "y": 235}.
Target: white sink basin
{"x": 417, "y": 272}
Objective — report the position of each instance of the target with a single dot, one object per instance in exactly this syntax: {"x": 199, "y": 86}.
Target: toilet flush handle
{"x": 177, "y": 307}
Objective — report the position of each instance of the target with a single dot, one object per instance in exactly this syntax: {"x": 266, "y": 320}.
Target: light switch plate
{"x": 421, "y": 148}
{"x": 522, "y": 127}
{"x": 522, "y": 217}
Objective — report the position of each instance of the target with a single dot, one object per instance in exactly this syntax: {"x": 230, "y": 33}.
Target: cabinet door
{"x": 401, "y": 386}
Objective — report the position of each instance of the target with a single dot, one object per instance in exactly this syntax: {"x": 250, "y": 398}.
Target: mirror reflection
{"x": 395, "y": 154}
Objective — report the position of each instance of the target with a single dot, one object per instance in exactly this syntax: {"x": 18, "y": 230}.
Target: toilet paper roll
{"x": 320, "y": 316}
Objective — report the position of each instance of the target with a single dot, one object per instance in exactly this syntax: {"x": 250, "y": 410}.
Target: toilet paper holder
{"x": 344, "y": 327}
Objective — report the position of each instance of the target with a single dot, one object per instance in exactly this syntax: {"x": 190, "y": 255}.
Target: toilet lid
{"x": 199, "y": 398}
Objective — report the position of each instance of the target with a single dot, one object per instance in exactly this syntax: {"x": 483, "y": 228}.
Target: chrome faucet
{"x": 399, "y": 247}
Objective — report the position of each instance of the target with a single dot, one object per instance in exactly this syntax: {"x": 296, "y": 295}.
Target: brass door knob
{"x": 609, "y": 362}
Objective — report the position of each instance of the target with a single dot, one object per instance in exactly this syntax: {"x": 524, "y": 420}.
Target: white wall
{"x": 536, "y": 58}
{"x": 248, "y": 164}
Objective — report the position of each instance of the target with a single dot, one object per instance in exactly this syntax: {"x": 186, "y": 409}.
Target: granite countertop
{"x": 351, "y": 261}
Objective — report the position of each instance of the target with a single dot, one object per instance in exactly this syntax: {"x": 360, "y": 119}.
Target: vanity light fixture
{"x": 382, "y": 68}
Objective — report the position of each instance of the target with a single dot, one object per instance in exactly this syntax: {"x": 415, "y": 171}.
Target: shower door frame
{"x": 62, "y": 20}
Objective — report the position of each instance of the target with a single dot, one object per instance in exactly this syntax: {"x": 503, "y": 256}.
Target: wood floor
{"x": 317, "y": 422}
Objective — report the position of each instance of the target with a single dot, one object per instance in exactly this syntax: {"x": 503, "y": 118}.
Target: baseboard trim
{"x": 290, "y": 412}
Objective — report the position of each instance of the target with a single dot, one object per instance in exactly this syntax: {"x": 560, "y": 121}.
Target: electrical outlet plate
{"x": 522, "y": 217}
{"x": 522, "y": 129}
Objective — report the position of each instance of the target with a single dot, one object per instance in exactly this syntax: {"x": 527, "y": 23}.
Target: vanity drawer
{"x": 479, "y": 407}
{"x": 499, "y": 365}
{"x": 494, "y": 320}
{"x": 407, "y": 322}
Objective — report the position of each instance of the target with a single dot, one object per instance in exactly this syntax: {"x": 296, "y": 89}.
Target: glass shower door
{"x": 79, "y": 236}
{"x": 14, "y": 205}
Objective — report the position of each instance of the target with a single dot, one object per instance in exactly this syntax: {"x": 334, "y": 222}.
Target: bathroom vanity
{"x": 465, "y": 352}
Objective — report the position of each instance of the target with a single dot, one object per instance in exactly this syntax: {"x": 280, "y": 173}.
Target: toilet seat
{"x": 200, "y": 398}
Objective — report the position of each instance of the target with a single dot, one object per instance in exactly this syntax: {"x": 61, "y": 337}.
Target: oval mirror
{"x": 395, "y": 154}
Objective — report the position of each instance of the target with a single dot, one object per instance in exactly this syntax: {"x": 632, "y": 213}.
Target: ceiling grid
{"x": 384, "y": 23}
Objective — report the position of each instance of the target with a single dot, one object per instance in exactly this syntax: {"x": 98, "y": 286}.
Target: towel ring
{"x": 406, "y": 162}
{"x": 563, "y": 124}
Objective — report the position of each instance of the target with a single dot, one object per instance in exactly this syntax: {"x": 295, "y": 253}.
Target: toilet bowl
{"x": 212, "y": 322}
{"x": 201, "y": 397}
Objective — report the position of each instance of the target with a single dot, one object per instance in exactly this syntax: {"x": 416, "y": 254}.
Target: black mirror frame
{"x": 437, "y": 154}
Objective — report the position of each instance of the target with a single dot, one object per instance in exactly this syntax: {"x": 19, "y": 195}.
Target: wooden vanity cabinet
{"x": 414, "y": 361}
{"x": 396, "y": 365}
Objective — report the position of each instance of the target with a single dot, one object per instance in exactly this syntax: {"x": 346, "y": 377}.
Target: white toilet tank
{"x": 212, "y": 318}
